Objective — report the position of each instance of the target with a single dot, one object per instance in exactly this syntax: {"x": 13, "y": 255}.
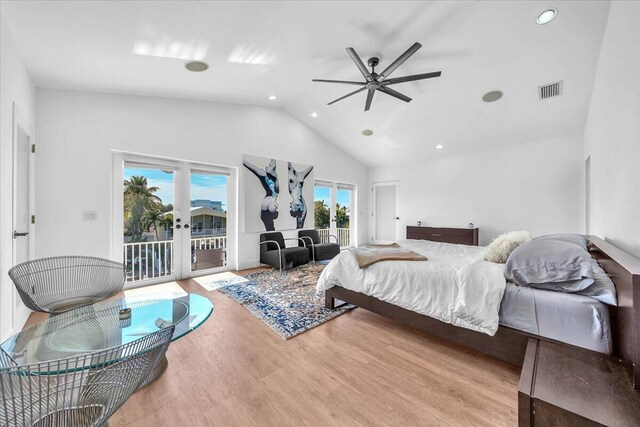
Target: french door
{"x": 334, "y": 203}
{"x": 174, "y": 219}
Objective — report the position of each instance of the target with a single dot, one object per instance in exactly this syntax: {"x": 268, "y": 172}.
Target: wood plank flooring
{"x": 358, "y": 369}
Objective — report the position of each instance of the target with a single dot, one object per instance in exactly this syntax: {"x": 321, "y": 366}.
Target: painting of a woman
{"x": 298, "y": 204}
{"x": 269, "y": 180}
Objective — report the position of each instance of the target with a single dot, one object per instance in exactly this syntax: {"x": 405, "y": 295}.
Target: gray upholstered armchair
{"x": 274, "y": 252}
{"x": 318, "y": 251}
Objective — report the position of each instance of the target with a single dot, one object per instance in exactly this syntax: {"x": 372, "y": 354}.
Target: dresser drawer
{"x": 464, "y": 236}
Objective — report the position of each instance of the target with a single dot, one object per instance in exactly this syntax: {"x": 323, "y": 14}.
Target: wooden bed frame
{"x": 510, "y": 344}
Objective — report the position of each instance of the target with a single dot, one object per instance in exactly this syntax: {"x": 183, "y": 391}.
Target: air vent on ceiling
{"x": 553, "y": 89}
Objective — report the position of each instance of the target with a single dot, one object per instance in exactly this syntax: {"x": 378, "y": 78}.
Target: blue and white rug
{"x": 287, "y": 301}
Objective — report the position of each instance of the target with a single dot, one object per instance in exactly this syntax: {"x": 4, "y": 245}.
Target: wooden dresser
{"x": 566, "y": 386}
{"x": 464, "y": 236}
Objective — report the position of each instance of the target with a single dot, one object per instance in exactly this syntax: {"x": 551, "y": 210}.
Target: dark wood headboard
{"x": 624, "y": 270}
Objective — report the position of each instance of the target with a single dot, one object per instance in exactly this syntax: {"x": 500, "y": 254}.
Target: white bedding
{"x": 455, "y": 285}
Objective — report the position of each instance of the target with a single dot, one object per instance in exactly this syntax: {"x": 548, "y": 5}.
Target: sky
{"x": 211, "y": 187}
{"x": 203, "y": 186}
{"x": 322, "y": 193}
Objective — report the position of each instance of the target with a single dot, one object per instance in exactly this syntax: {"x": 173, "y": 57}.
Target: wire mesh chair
{"x": 77, "y": 391}
{"x": 58, "y": 284}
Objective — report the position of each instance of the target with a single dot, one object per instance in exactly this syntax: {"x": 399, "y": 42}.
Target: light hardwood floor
{"x": 358, "y": 369}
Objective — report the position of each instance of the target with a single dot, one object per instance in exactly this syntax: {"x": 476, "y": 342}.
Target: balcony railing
{"x": 343, "y": 235}
{"x": 150, "y": 260}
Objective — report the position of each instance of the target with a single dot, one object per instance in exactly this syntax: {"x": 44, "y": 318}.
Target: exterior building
{"x": 206, "y": 221}
{"x": 204, "y": 203}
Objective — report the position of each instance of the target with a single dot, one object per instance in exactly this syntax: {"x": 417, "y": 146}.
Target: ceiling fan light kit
{"x": 380, "y": 82}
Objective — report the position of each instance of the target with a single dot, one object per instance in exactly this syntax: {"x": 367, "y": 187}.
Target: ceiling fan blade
{"x": 394, "y": 93}
{"x": 347, "y": 95}
{"x": 412, "y": 78}
{"x": 367, "y": 105}
{"x": 345, "y": 82}
{"x": 398, "y": 62}
{"x": 352, "y": 53}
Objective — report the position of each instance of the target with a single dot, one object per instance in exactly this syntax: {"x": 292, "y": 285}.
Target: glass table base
{"x": 156, "y": 372}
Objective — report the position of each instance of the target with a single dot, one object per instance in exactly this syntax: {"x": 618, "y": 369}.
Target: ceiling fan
{"x": 381, "y": 82}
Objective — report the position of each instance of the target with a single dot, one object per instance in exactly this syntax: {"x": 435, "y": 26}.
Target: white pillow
{"x": 502, "y": 246}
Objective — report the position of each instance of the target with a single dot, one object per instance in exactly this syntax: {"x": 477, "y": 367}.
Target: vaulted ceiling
{"x": 258, "y": 49}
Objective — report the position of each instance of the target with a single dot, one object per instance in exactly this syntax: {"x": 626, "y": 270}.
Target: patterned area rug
{"x": 286, "y": 301}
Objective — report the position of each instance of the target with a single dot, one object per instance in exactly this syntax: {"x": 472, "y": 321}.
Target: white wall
{"x": 535, "y": 186}
{"x": 612, "y": 133}
{"x": 15, "y": 86}
{"x": 78, "y": 130}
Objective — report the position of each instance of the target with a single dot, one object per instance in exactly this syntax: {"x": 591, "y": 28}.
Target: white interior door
{"x": 385, "y": 212}
{"x": 23, "y": 153}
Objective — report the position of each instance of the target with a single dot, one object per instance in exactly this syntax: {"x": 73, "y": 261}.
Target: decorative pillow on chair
{"x": 502, "y": 246}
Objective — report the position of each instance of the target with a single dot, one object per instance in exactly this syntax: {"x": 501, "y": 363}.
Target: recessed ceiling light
{"x": 367, "y": 132}
{"x": 314, "y": 115}
{"x": 196, "y": 66}
{"x": 546, "y": 16}
{"x": 492, "y": 96}
{"x": 439, "y": 146}
{"x": 272, "y": 98}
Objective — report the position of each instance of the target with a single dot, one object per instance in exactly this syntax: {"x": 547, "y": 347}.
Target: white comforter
{"x": 455, "y": 285}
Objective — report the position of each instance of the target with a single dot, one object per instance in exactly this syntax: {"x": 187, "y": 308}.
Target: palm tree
{"x": 138, "y": 185}
{"x": 152, "y": 218}
{"x": 138, "y": 198}
{"x": 167, "y": 222}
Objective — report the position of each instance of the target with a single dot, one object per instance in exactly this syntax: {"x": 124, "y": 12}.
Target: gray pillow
{"x": 577, "y": 239}
{"x": 550, "y": 264}
{"x": 602, "y": 288}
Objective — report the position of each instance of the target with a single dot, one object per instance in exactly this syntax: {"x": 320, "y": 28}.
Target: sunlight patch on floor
{"x": 212, "y": 282}
{"x": 161, "y": 291}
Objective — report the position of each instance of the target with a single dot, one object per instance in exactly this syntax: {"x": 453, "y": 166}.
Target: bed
{"x": 564, "y": 318}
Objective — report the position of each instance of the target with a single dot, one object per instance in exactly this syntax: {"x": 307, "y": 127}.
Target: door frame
{"x": 181, "y": 189}
{"x": 20, "y": 312}
{"x": 374, "y": 187}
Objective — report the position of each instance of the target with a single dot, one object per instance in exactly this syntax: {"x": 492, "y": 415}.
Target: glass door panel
{"x": 343, "y": 215}
{"x": 322, "y": 200}
{"x": 148, "y": 197}
{"x": 208, "y": 210}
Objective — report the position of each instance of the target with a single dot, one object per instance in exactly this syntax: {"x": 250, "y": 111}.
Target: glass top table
{"x": 98, "y": 327}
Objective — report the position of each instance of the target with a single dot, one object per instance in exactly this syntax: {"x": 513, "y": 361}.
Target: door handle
{"x": 16, "y": 234}
{"x": 397, "y": 217}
